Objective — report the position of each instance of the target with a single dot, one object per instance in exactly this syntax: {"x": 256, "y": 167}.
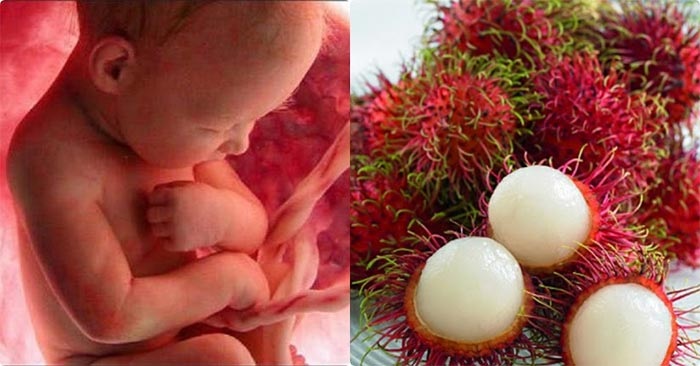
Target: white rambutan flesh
{"x": 470, "y": 290}
{"x": 621, "y": 325}
{"x": 540, "y": 215}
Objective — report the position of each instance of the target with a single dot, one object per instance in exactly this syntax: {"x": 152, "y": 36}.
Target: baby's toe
{"x": 159, "y": 214}
{"x": 167, "y": 244}
{"x": 297, "y": 359}
{"x": 160, "y": 195}
{"x": 160, "y": 230}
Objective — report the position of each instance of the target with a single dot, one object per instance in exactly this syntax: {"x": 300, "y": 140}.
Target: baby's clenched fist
{"x": 186, "y": 215}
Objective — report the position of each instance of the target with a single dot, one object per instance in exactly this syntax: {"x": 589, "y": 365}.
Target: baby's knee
{"x": 222, "y": 349}
{"x": 252, "y": 288}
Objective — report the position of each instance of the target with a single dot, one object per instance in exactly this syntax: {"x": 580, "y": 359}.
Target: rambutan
{"x": 463, "y": 302}
{"x": 448, "y": 123}
{"x": 383, "y": 212}
{"x": 379, "y": 111}
{"x": 617, "y": 311}
{"x": 543, "y": 215}
{"x": 659, "y": 48}
{"x": 524, "y": 30}
{"x": 674, "y": 205}
{"x": 588, "y": 114}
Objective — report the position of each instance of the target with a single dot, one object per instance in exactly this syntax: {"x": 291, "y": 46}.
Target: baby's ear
{"x": 112, "y": 62}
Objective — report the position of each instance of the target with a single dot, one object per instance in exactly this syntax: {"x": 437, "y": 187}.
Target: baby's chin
{"x": 216, "y": 156}
{"x": 179, "y": 159}
{"x": 172, "y": 161}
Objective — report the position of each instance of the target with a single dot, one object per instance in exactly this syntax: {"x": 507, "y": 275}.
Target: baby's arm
{"x": 88, "y": 272}
{"x": 215, "y": 209}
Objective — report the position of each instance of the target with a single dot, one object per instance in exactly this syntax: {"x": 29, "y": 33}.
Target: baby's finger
{"x": 159, "y": 214}
{"x": 174, "y": 184}
{"x": 160, "y": 196}
{"x": 160, "y": 230}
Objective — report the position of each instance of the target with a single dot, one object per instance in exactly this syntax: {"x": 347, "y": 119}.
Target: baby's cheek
{"x": 195, "y": 149}
{"x": 176, "y": 154}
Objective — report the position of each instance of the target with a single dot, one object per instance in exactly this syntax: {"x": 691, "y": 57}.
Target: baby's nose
{"x": 234, "y": 146}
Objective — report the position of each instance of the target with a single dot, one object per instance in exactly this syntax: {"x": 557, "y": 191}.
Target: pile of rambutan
{"x": 523, "y": 190}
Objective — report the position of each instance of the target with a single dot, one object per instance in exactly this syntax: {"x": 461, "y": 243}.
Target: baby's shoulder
{"x": 41, "y": 159}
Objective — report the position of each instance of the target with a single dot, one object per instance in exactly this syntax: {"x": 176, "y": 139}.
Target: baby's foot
{"x": 297, "y": 359}
{"x": 184, "y": 215}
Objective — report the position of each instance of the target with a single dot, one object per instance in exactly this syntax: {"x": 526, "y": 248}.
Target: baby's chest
{"x": 125, "y": 201}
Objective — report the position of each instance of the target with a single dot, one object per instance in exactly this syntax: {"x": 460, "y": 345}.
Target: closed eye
{"x": 210, "y": 130}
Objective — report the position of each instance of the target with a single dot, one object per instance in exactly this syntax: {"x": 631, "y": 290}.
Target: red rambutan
{"x": 582, "y": 107}
{"x": 447, "y": 124}
{"x": 675, "y": 205}
{"x": 515, "y": 29}
{"x": 383, "y": 212}
{"x": 661, "y": 50}
{"x": 378, "y": 111}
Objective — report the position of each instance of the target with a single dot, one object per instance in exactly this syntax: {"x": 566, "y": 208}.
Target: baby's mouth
{"x": 216, "y": 155}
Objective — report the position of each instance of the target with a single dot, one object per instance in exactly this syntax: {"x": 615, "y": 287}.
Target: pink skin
{"x": 101, "y": 153}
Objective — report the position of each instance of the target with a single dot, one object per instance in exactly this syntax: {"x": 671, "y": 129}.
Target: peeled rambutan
{"x": 608, "y": 299}
{"x": 587, "y": 115}
{"x": 659, "y": 48}
{"x": 523, "y": 30}
{"x": 462, "y": 302}
{"x": 544, "y": 215}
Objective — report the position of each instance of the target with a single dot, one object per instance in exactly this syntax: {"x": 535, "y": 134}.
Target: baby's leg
{"x": 209, "y": 349}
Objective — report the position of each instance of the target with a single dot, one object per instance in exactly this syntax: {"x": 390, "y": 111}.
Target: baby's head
{"x": 181, "y": 82}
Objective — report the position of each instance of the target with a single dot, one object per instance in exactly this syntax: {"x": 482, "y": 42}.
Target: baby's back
{"x": 54, "y": 149}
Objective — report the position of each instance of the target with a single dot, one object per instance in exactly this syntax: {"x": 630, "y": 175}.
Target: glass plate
{"x": 361, "y": 341}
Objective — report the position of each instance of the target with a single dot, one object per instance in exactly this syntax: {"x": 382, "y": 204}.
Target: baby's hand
{"x": 186, "y": 215}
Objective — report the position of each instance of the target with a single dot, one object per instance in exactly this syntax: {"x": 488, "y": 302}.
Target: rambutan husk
{"x": 381, "y": 105}
{"x": 387, "y": 305}
{"x": 446, "y": 121}
{"x": 518, "y": 30}
{"x": 588, "y": 114}
{"x": 384, "y": 210}
{"x": 610, "y": 220}
{"x": 672, "y": 207}
{"x": 659, "y": 48}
